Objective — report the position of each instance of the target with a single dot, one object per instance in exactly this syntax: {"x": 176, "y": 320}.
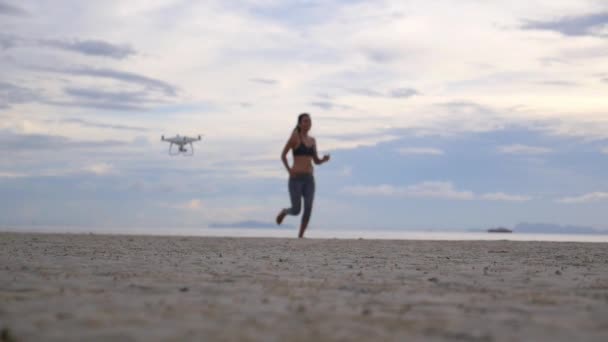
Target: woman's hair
{"x": 300, "y": 117}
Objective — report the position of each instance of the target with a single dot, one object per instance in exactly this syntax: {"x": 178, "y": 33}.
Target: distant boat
{"x": 499, "y": 230}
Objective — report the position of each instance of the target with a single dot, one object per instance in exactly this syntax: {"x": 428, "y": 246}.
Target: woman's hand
{"x": 325, "y": 158}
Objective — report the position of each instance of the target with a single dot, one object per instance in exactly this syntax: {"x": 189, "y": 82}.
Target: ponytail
{"x": 297, "y": 128}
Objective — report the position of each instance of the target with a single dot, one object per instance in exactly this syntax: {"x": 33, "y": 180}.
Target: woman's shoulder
{"x": 294, "y": 137}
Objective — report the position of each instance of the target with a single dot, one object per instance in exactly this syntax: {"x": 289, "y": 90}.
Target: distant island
{"x": 500, "y": 230}
{"x": 248, "y": 224}
{"x": 548, "y": 228}
{"x": 543, "y": 228}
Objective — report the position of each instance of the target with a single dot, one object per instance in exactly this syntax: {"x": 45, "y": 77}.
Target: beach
{"x": 90, "y": 287}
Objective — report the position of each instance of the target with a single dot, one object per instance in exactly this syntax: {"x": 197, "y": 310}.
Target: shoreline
{"x": 342, "y": 235}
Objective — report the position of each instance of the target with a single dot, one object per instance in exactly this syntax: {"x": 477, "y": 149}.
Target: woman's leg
{"x": 295, "y": 194}
{"x": 308, "y": 191}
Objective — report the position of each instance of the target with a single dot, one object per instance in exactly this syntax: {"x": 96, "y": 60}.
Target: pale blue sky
{"x": 450, "y": 115}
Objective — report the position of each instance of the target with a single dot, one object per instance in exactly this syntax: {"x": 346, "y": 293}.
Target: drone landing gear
{"x": 191, "y": 151}
{"x": 181, "y": 150}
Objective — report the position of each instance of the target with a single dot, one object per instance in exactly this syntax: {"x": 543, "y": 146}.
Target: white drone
{"x": 180, "y": 141}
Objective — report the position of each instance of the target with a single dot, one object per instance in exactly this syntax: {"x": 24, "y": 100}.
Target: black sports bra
{"x": 303, "y": 150}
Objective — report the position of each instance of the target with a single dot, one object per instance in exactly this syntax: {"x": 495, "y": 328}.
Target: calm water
{"x": 323, "y": 234}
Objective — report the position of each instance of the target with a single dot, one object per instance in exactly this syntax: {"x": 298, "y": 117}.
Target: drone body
{"x": 180, "y": 141}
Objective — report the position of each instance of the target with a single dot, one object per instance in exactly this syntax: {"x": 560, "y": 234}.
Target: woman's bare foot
{"x": 281, "y": 216}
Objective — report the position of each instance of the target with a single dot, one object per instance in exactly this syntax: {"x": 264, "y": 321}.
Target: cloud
{"x": 11, "y": 10}
{"x": 101, "y": 99}
{"x": 523, "y": 149}
{"x": 85, "y": 47}
{"x": 100, "y": 169}
{"x": 298, "y": 14}
{"x": 586, "y": 198}
{"x": 420, "y": 151}
{"x": 440, "y": 190}
{"x": 87, "y": 123}
{"x": 436, "y": 190}
{"x": 500, "y": 196}
{"x": 12, "y": 175}
{"x": 8, "y": 41}
{"x": 117, "y": 75}
{"x": 352, "y": 141}
{"x": 559, "y": 83}
{"x": 323, "y": 104}
{"x": 381, "y": 55}
{"x": 214, "y": 212}
{"x": 394, "y": 93}
{"x": 98, "y": 105}
{"x": 11, "y": 94}
{"x": 194, "y": 204}
{"x": 467, "y": 107}
{"x": 264, "y": 81}
{"x": 584, "y": 25}
{"x": 403, "y": 92}
{"x": 366, "y": 92}
{"x": 10, "y": 141}
{"x": 553, "y": 61}
{"x": 92, "y": 48}
{"x": 327, "y": 105}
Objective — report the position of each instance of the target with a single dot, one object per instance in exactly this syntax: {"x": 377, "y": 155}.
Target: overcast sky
{"x": 451, "y": 114}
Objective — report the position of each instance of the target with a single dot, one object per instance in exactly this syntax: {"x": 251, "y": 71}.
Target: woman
{"x": 301, "y": 179}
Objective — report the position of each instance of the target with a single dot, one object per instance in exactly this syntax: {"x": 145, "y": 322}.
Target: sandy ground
{"x": 137, "y": 288}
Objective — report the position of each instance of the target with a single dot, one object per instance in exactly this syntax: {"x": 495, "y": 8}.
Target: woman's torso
{"x": 303, "y": 151}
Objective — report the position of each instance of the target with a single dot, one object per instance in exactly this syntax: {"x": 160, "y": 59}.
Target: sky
{"x": 451, "y": 114}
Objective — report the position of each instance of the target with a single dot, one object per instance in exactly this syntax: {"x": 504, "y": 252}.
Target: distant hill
{"x": 248, "y": 224}
{"x": 555, "y": 229}
{"x": 500, "y": 230}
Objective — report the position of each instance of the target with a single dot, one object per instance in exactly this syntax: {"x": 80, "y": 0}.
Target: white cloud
{"x": 586, "y": 198}
{"x": 334, "y": 144}
{"x": 375, "y": 190}
{"x": 499, "y": 196}
{"x": 100, "y": 169}
{"x": 194, "y": 204}
{"x": 12, "y": 175}
{"x": 523, "y": 149}
{"x": 440, "y": 190}
{"x": 420, "y": 151}
{"x": 444, "y": 190}
{"x": 212, "y": 211}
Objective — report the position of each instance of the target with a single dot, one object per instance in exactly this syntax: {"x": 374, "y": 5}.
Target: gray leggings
{"x": 301, "y": 186}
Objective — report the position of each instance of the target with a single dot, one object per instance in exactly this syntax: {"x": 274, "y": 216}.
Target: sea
{"x": 318, "y": 233}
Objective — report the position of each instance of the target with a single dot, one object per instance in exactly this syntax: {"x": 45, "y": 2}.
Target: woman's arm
{"x": 288, "y": 145}
{"x": 316, "y": 158}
